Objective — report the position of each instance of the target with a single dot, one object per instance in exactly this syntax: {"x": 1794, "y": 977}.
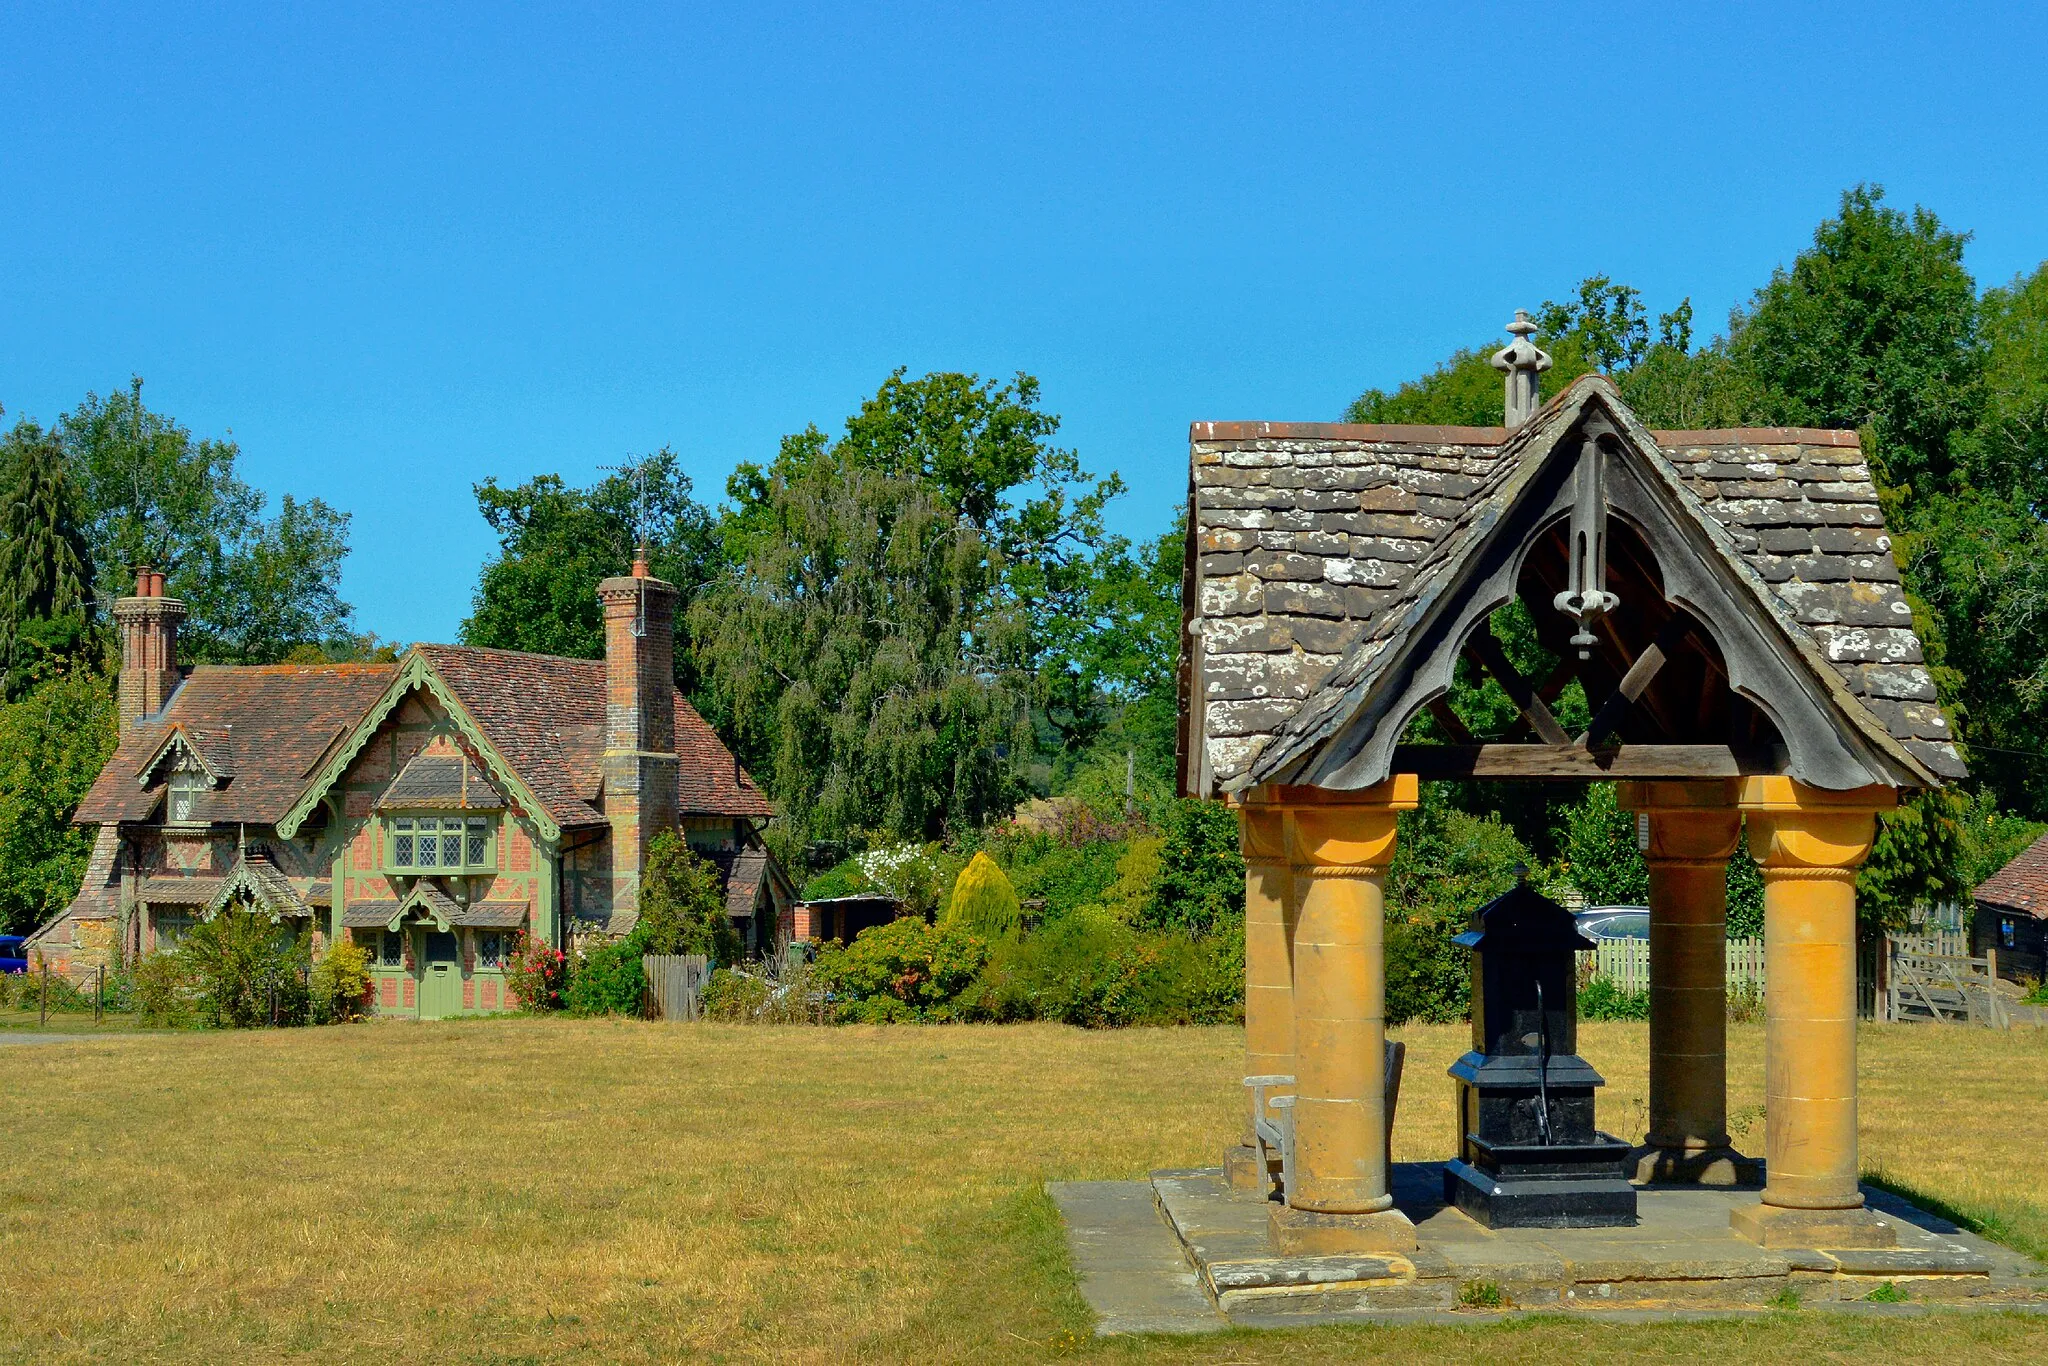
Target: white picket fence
{"x": 1626, "y": 963}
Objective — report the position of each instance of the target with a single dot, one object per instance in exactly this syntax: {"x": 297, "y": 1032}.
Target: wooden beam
{"x": 1638, "y": 677}
{"x": 1487, "y": 651}
{"x": 1644, "y": 762}
{"x": 1453, "y": 724}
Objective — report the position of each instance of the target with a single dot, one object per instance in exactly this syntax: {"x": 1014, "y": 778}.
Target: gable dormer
{"x": 180, "y": 767}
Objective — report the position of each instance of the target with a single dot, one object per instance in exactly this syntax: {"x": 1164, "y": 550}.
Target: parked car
{"x": 10, "y": 953}
{"x": 1615, "y": 922}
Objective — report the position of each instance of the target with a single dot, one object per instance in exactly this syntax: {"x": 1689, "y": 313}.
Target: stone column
{"x": 1268, "y": 968}
{"x": 1810, "y": 843}
{"x": 1340, "y": 844}
{"x": 1693, "y": 828}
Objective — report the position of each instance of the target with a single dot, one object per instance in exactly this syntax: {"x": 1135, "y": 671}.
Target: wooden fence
{"x": 675, "y": 984}
{"x": 1927, "y": 975}
{"x": 1626, "y": 963}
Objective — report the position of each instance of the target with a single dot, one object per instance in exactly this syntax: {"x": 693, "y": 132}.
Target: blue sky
{"x": 394, "y": 252}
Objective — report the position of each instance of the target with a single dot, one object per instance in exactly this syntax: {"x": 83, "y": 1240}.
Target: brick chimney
{"x": 639, "y": 766}
{"x": 149, "y": 647}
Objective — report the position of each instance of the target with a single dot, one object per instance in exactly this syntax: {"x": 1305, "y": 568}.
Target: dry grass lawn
{"x": 542, "y": 1191}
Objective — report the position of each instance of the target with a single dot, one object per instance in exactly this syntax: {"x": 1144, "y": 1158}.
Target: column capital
{"x": 1402, "y": 792}
{"x": 1771, "y": 792}
{"x": 1712, "y": 795}
{"x": 1796, "y": 831}
{"x": 1348, "y": 834}
{"x": 1262, "y": 833}
{"x": 1697, "y": 835}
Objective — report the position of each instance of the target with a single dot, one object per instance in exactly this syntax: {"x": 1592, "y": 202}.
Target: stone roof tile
{"x": 1798, "y": 504}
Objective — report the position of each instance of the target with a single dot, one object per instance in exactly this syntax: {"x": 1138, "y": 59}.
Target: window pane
{"x": 401, "y": 851}
{"x": 487, "y": 950}
{"x": 429, "y": 823}
{"x": 392, "y": 954}
{"x": 476, "y": 849}
{"x": 428, "y": 844}
{"x": 405, "y": 822}
{"x": 181, "y": 802}
{"x": 451, "y": 851}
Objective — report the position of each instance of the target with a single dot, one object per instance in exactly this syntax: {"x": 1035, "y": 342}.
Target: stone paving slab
{"x": 1681, "y": 1257}
{"x": 1134, "y": 1273}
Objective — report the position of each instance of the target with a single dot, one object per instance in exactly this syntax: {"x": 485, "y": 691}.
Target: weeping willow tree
{"x": 871, "y": 650}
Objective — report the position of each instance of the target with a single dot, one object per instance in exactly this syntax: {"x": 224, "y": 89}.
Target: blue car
{"x": 10, "y": 953}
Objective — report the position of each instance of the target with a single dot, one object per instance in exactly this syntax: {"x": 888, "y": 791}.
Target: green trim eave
{"x": 417, "y": 672}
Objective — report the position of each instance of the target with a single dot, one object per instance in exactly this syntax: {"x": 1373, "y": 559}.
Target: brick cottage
{"x": 433, "y": 808}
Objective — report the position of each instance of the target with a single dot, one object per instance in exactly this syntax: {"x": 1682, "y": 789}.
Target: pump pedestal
{"x": 1529, "y": 1154}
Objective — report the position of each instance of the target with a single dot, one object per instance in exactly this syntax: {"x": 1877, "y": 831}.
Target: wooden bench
{"x": 1273, "y": 1116}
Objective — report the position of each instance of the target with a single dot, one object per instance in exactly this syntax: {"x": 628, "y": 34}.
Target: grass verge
{"x": 556, "y": 1191}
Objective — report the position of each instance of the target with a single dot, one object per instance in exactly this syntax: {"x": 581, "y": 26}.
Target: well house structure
{"x": 436, "y": 808}
{"x": 1730, "y": 604}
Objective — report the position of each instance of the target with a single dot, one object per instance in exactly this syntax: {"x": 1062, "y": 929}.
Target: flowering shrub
{"x": 909, "y": 872}
{"x": 535, "y": 974}
{"x": 905, "y": 970}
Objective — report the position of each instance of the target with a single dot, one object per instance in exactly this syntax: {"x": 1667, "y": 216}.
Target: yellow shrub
{"x": 984, "y": 902}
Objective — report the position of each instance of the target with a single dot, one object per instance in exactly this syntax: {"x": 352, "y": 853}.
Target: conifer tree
{"x": 45, "y": 565}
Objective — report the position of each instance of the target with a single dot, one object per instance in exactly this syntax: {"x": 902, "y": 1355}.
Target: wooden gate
{"x": 1923, "y": 983}
{"x": 675, "y": 984}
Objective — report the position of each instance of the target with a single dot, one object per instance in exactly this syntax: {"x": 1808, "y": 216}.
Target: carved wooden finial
{"x": 1522, "y": 361}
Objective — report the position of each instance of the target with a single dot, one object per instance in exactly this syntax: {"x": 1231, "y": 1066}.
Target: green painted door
{"x": 441, "y": 979}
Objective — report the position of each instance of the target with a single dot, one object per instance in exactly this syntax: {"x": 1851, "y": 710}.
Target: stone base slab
{"x": 1244, "y": 1171}
{"x": 1770, "y": 1226}
{"x": 1555, "y": 1202}
{"x": 1311, "y": 1233}
{"x": 1682, "y": 1259}
{"x": 1721, "y": 1166}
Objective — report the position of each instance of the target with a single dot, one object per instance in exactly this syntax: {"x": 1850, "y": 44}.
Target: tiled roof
{"x": 1804, "y": 513}
{"x": 268, "y": 888}
{"x": 367, "y": 915}
{"x": 743, "y": 881}
{"x": 447, "y": 781}
{"x": 171, "y": 890}
{"x": 266, "y": 725}
{"x": 499, "y": 915}
{"x": 1313, "y": 543}
{"x": 546, "y": 716}
{"x": 489, "y": 915}
{"x": 2021, "y": 885}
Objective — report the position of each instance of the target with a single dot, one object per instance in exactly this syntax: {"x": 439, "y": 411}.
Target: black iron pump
{"x": 1529, "y": 1153}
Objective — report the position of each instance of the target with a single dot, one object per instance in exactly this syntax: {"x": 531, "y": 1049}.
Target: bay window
{"x": 439, "y": 844}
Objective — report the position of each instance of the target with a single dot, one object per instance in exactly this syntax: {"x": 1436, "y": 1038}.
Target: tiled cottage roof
{"x": 1315, "y": 546}
{"x": 546, "y": 716}
{"x": 743, "y": 881}
{"x": 258, "y": 880}
{"x": 447, "y": 781}
{"x": 2021, "y": 885}
{"x": 263, "y": 727}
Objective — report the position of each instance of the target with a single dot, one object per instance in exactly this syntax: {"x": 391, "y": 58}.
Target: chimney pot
{"x": 149, "y": 647}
